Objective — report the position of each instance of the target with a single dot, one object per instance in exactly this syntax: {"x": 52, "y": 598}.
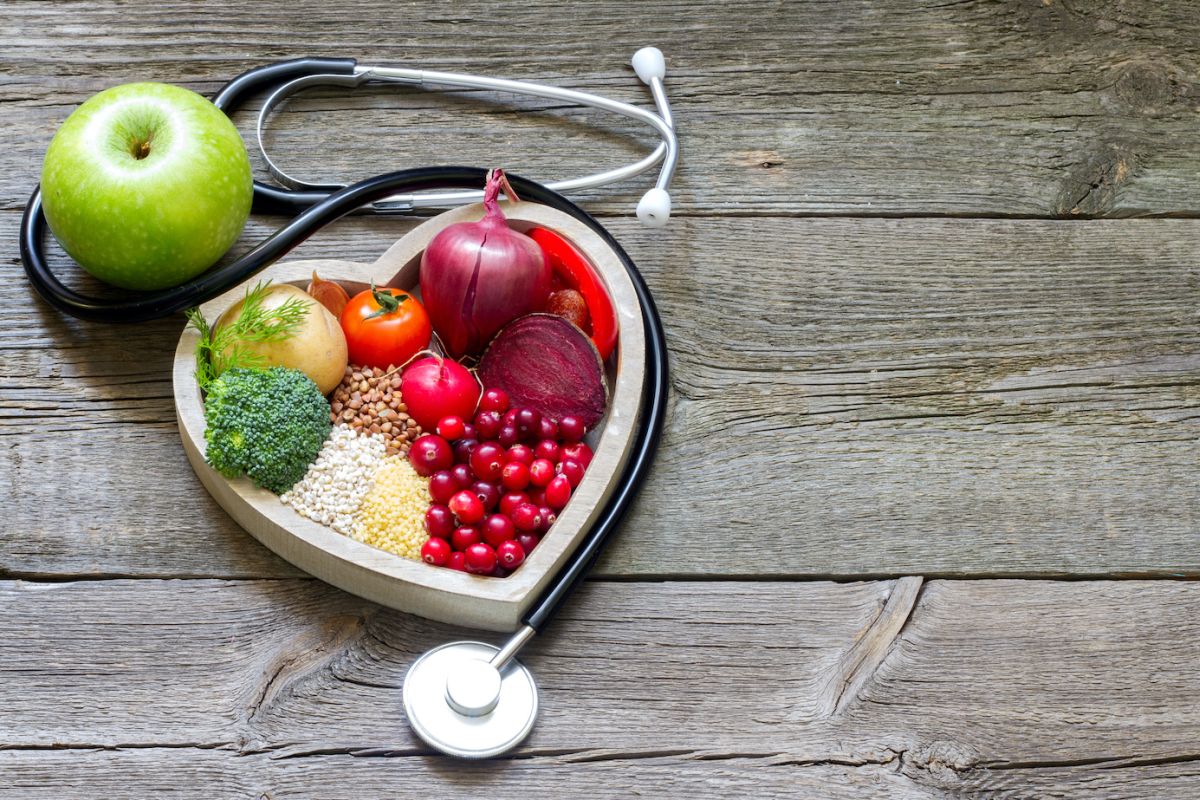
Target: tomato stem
{"x": 388, "y": 303}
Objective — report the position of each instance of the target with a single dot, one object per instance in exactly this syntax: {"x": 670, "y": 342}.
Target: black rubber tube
{"x": 652, "y": 412}
{"x": 269, "y": 199}
{"x": 141, "y": 307}
{"x": 651, "y": 417}
{"x": 253, "y": 81}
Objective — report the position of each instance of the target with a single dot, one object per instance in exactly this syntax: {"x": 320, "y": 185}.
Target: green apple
{"x": 146, "y": 185}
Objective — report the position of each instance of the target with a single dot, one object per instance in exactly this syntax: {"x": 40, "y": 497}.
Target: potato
{"x": 318, "y": 349}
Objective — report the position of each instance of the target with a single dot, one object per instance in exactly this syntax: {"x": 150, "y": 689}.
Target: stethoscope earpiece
{"x": 649, "y": 63}
{"x": 654, "y": 209}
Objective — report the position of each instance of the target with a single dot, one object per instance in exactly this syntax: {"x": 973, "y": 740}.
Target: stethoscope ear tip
{"x": 654, "y": 209}
{"x": 649, "y": 63}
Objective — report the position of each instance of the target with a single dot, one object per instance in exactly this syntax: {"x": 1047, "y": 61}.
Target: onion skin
{"x": 329, "y": 294}
{"x": 476, "y": 277}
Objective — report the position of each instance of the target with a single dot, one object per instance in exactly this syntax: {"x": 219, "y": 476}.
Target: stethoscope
{"x": 466, "y": 699}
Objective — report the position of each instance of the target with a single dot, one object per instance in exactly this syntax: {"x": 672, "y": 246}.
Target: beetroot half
{"x": 545, "y": 363}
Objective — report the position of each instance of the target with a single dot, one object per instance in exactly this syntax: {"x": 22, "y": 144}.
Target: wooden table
{"x": 925, "y": 520}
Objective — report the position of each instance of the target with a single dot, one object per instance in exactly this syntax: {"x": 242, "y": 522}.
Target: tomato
{"x": 573, "y": 271}
{"x": 384, "y": 327}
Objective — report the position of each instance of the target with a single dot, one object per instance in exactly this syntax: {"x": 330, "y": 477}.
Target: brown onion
{"x": 476, "y": 277}
{"x": 329, "y": 294}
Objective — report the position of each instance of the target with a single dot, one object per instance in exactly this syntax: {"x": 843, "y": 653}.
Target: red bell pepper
{"x": 576, "y": 272}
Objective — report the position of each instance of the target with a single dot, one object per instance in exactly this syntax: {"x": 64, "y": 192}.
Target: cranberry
{"x": 439, "y": 521}
{"x": 548, "y": 517}
{"x": 510, "y": 501}
{"x": 467, "y": 506}
{"x": 500, "y": 571}
{"x": 436, "y": 551}
{"x": 577, "y": 451}
{"x": 520, "y": 452}
{"x": 498, "y": 528}
{"x": 541, "y": 471}
{"x": 494, "y": 400}
{"x": 558, "y": 491}
{"x": 510, "y": 416}
{"x": 469, "y": 432}
{"x": 464, "y": 537}
{"x": 487, "y": 424}
{"x": 429, "y": 453}
{"x": 457, "y": 561}
{"x": 442, "y": 486}
{"x": 572, "y": 469}
{"x": 451, "y": 428}
{"x": 488, "y": 494}
{"x": 488, "y": 461}
{"x": 548, "y": 429}
{"x": 526, "y": 517}
{"x": 508, "y": 435}
{"x": 514, "y": 476}
{"x": 462, "y": 475}
{"x": 547, "y": 449}
{"x": 529, "y": 423}
{"x": 510, "y": 554}
{"x": 570, "y": 429}
{"x": 528, "y": 541}
{"x": 480, "y": 558}
{"x": 537, "y": 495}
{"x": 463, "y": 449}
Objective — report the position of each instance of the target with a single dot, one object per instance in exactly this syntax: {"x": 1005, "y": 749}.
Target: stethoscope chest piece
{"x": 458, "y": 703}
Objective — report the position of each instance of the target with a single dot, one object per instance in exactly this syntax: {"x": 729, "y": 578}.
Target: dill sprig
{"x": 225, "y": 347}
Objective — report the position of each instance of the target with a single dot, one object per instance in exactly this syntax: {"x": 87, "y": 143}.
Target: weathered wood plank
{"x": 813, "y": 107}
{"x": 134, "y": 774}
{"x": 137, "y": 774}
{"x": 862, "y": 397}
{"x": 1011, "y": 689}
{"x": 296, "y": 665}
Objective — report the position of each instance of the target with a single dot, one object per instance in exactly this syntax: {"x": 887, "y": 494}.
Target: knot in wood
{"x": 1152, "y": 89}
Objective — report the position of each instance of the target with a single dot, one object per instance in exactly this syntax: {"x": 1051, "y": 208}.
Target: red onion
{"x": 476, "y": 277}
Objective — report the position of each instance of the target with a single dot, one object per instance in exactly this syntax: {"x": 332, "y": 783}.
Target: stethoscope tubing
{"x": 313, "y": 206}
{"x": 667, "y": 149}
{"x": 333, "y": 206}
{"x": 310, "y": 219}
{"x": 655, "y": 394}
{"x": 284, "y": 78}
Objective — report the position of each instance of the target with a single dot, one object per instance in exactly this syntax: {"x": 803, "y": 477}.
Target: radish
{"x": 434, "y": 388}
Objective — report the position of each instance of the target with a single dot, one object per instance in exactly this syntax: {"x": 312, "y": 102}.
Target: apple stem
{"x": 141, "y": 147}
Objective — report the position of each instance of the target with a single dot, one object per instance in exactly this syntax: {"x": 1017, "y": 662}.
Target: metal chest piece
{"x": 460, "y": 704}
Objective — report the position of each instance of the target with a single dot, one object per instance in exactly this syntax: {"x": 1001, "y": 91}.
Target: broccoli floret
{"x": 269, "y": 424}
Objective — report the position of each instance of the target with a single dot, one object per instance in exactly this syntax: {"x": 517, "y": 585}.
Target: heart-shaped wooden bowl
{"x": 434, "y": 592}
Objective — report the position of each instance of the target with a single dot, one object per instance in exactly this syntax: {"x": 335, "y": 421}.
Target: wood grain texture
{"x": 1081, "y": 695}
{"x": 814, "y": 107}
{"x": 137, "y": 774}
{"x": 875, "y": 397}
{"x": 289, "y": 666}
{"x": 852, "y": 397}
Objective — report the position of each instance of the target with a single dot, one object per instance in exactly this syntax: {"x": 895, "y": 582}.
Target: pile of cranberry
{"x": 497, "y": 483}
